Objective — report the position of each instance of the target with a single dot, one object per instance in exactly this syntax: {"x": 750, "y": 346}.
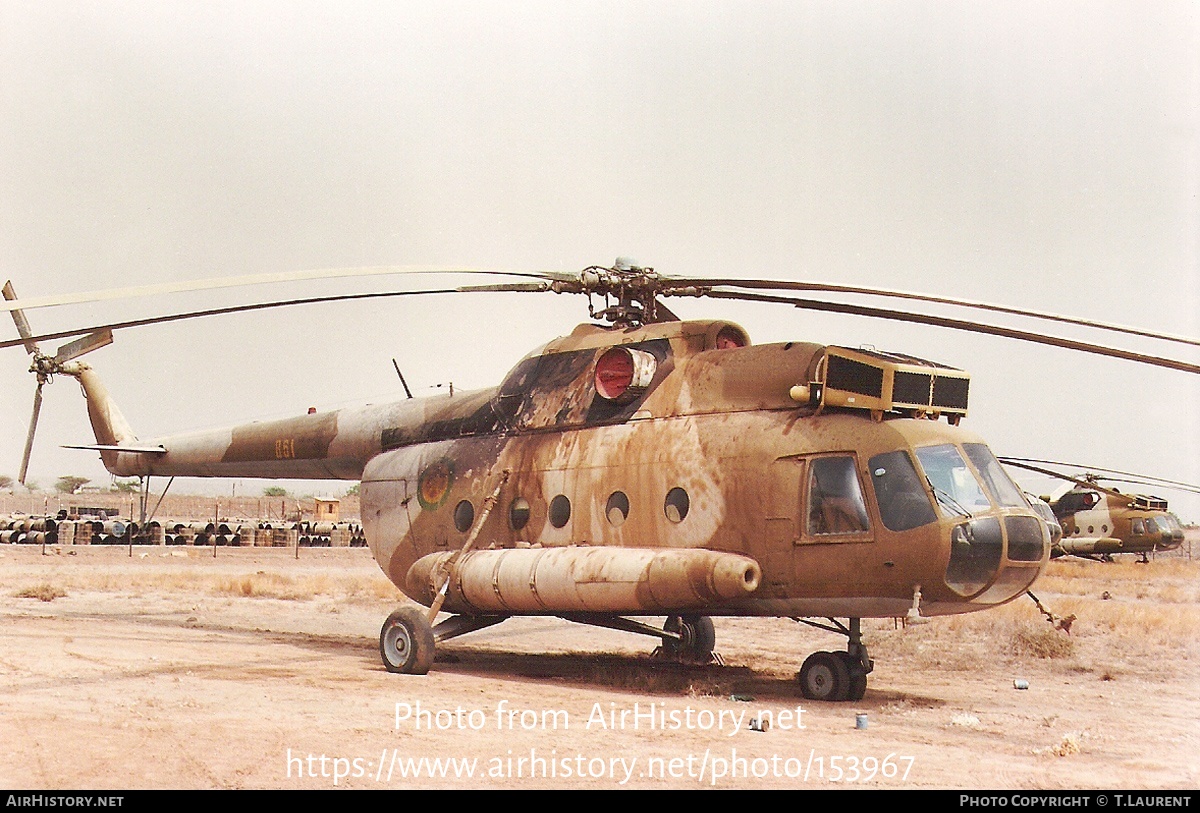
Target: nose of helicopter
{"x": 996, "y": 557}
{"x": 1172, "y": 539}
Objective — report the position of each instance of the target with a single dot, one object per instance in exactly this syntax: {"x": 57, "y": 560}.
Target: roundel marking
{"x": 433, "y": 486}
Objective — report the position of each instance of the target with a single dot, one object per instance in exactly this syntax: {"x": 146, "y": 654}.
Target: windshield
{"x": 994, "y": 476}
{"x": 903, "y": 503}
{"x": 1044, "y": 511}
{"x": 955, "y": 486}
{"x": 1164, "y": 525}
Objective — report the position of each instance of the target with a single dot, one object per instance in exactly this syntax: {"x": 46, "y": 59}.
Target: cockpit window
{"x": 835, "y": 499}
{"x": 956, "y": 489}
{"x": 994, "y": 477}
{"x": 903, "y": 503}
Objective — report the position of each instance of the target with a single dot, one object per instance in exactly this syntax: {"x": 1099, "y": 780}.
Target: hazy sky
{"x": 1037, "y": 154}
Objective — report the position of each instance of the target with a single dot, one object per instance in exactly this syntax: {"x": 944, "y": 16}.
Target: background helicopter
{"x": 784, "y": 475}
{"x": 1099, "y": 521}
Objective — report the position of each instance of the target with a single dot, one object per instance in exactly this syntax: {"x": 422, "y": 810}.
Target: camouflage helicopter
{"x": 1099, "y": 521}
{"x": 644, "y": 466}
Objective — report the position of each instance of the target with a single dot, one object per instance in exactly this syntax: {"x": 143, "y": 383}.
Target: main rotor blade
{"x": 22, "y": 324}
{"x": 958, "y": 324}
{"x": 37, "y": 408}
{"x": 1077, "y": 481}
{"x": 790, "y": 285}
{"x": 257, "y": 279}
{"x": 90, "y": 342}
{"x": 1153, "y": 483}
{"x": 535, "y": 287}
{"x": 1143, "y": 479}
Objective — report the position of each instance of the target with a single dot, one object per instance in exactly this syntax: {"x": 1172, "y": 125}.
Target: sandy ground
{"x": 255, "y": 669}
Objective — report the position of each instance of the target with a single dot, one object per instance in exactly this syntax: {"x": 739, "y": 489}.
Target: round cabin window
{"x": 518, "y": 514}
{"x": 560, "y": 511}
{"x": 464, "y": 515}
{"x": 676, "y": 505}
{"x": 617, "y": 509}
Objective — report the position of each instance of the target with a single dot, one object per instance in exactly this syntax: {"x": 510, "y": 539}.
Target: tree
{"x": 6, "y": 481}
{"x": 70, "y": 483}
{"x": 352, "y": 491}
{"x": 275, "y": 491}
{"x": 125, "y": 486}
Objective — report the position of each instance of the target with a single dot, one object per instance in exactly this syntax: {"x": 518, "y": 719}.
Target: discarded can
{"x": 860, "y": 721}
{"x": 1020, "y": 684}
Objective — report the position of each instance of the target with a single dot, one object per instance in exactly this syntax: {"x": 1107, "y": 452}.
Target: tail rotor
{"x": 46, "y": 367}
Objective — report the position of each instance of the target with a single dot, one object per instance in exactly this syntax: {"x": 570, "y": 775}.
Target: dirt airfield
{"x": 255, "y": 668}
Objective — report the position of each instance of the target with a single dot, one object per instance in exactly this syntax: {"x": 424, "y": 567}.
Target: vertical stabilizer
{"x": 108, "y": 424}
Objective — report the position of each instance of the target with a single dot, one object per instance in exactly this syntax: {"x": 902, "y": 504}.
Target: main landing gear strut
{"x": 407, "y": 640}
{"x": 836, "y": 676}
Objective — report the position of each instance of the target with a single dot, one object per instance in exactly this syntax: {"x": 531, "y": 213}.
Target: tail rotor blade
{"x": 37, "y": 408}
{"x": 22, "y": 324}
{"x": 86, "y": 344}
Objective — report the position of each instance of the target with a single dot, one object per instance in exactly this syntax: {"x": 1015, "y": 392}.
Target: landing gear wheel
{"x": 858, "y": 678}
{"x": 696, "y": 638}
{"x": 825, "y": 676}
{"x": 406, "y": 642}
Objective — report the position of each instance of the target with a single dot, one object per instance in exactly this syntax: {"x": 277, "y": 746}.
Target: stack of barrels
{"x": 329, "y": 535}
{"x": 96, "y": 531}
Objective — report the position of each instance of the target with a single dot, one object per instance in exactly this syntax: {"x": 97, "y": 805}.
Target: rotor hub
{"x": 629, "y": 292}
{"x": 45, "y": 367}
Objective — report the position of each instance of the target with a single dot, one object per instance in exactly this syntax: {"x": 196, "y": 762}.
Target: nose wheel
{"x": 825, "y": 676}
{"x": 858, "y": 676}
{"x": 832, "y": 676}
{"x": 836, "y": 676}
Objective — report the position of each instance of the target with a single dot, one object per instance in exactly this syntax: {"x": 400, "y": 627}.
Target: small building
{"x": 326, "y": 510}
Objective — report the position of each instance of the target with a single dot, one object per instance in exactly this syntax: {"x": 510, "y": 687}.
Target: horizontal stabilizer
{"x": 109, "y": 447}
